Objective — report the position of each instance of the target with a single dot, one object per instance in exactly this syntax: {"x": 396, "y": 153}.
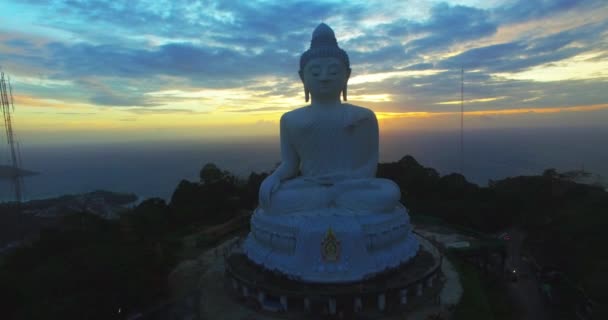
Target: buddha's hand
{"x": 328, "y": 179}
{"x": 269, "y": 186}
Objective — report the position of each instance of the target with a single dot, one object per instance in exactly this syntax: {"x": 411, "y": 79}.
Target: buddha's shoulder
{"x": 360, "y": 111}
{"x": 304, "y": 117}
{"x": 295, "y": 113}
{"x": 347, "y": 107}
{"x": 298, "y": 116}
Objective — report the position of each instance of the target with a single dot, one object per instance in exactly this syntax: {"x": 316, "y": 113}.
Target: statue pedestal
{"x": 388, "y": 295}
{"x": 331, "y": 245}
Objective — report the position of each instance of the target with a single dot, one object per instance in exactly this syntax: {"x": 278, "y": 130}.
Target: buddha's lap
{"x": 358, "y": 194}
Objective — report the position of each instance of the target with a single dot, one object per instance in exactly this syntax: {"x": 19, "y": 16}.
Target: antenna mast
{"x": 462, "y": 121}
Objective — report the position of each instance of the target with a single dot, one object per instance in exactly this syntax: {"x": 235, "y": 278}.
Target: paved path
{"x": 525, "y": 293}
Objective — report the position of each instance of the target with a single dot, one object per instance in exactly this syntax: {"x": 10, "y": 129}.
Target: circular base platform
{"x": 331, "y": 245}
{"x": 395, "y": 291}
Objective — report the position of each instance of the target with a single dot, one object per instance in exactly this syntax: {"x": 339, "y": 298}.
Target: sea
{"x": 154, "y": 168}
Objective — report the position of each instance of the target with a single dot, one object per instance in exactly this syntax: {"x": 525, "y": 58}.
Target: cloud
{"x": 205, "y": 64}
{"x": 404, "y": 42}
{"x": 77, "y": 113}
{"x": 380, "y": 58}
{"x": 117, "y": 100}
{"x": 22, "y": 100}
{"x": 420, "y": 66}
{"x": 210, "y": 21}
{"x": 450, "y": 24}
{"x": 522, "y": 54}
{"x": 238, "y": 41}
{"x": 479, "y": 100}
{"x": 20, "y": 43}
{"x": 381, "y": 76}
{"x": 493, "y": 113}
{"x": 402, "y": 62}
{"x": 522, "y": 10}
{"x": 162, "y": 111}
{"x": 109, "y": 93}
{"x": 263, "y": 109}
{"x": 420, "y": 94}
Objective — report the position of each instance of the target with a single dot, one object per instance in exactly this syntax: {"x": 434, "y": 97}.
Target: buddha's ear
{"x": 344, "y": 94}
{"x": 306, "y": 92}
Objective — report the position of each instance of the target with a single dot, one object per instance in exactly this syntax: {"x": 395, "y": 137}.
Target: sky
{"x": 86, "y": 72}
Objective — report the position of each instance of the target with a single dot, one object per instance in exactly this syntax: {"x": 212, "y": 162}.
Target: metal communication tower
{"x": 8, "y": 107}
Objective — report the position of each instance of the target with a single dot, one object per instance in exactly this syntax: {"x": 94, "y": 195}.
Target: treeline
{"x": 91, "y": 268}
{"x": 565, "y": 221}
{"x": 530, "y": 202}
{"x": 98, "y": 269}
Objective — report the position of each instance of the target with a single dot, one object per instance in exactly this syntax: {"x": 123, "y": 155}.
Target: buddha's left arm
{"x": 368, "y": 169}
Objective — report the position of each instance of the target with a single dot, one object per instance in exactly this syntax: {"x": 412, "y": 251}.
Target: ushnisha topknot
{"x": 324, "y": 45}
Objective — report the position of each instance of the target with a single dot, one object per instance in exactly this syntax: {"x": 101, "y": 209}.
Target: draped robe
{"x": 336, "y": 150}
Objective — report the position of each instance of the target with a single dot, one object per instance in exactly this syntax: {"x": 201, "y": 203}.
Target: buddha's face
{"x": 325, "y": 78}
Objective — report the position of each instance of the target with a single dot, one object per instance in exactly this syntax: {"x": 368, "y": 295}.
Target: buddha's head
{"x": 324, "y": 68}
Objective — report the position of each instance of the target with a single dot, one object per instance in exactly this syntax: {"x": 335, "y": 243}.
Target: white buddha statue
{"x": 329, "y": 150}
{"x": 323, "y": 215}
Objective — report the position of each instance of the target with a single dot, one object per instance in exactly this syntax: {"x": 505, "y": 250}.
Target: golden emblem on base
{"x": 330, "y": 247}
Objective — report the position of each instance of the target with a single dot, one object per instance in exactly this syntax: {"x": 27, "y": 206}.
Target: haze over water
{"x": 153, "y": 169}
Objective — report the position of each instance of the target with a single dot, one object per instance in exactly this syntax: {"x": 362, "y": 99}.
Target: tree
{"x": 186, "y": 204}
{"x": 551, "y": 173}
{"x": 86, "y": 270}
{"x": 150, "y": 219}
{"x": 250, "y": 190}
{"x": 214, "y": 200}
{"x": 210, "y": 173}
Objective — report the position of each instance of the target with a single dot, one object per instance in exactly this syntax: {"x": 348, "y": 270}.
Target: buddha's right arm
{"x": 287, "y": 169}
{"x": 290, "y": 162}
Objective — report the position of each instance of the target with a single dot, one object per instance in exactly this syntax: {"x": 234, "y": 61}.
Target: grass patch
{"x": 474, "y": 304}
{"x": 499, "y": 301}
{"x": 485, "y": 296}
